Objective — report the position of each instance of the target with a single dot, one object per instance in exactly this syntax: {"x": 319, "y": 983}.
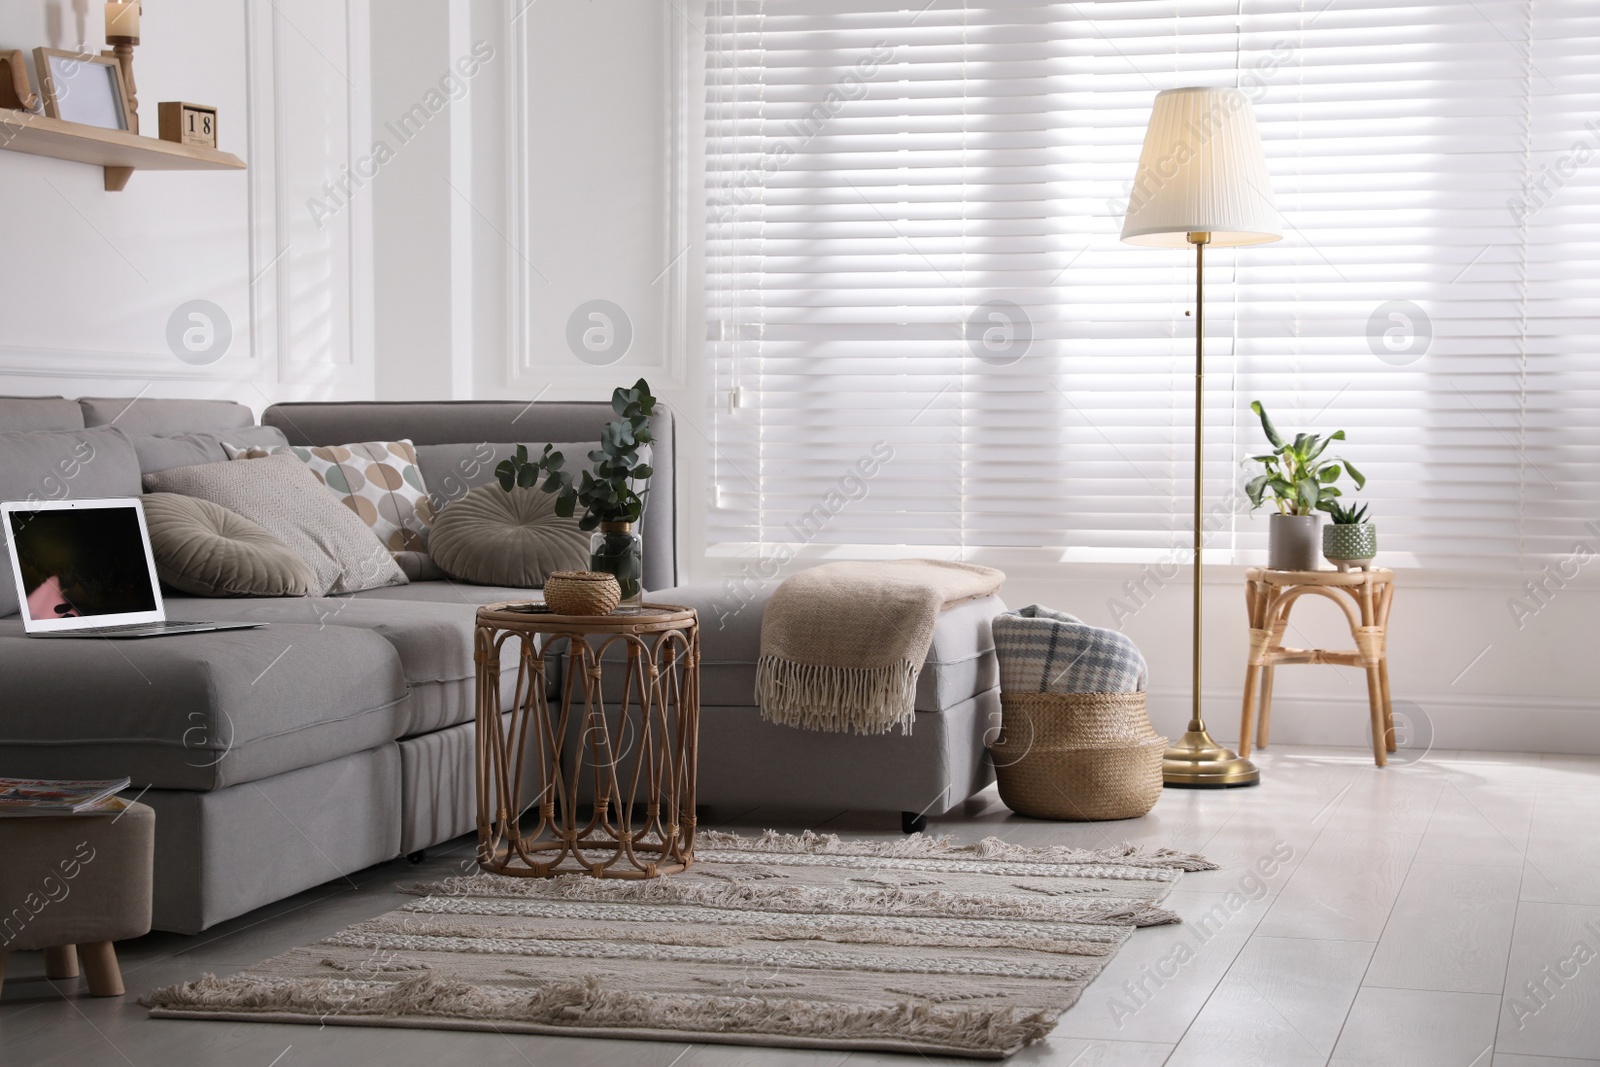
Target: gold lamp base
{"x": 1196, "y": 761}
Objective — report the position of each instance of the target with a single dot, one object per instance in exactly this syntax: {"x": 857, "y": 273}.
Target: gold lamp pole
{"x": 1202, "y": 180}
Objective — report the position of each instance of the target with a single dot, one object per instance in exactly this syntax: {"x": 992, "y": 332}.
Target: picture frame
{"x": 82, "y": 88}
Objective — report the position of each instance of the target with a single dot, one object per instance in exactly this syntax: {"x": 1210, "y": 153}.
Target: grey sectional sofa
{"x": 342, "y": 735}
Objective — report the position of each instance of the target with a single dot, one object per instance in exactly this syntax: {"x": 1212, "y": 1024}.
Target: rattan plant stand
{"x": 1364, "y": 597}
{"x": 541, "y": 756}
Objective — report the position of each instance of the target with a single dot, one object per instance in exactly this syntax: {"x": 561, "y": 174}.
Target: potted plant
{"x": 612, "y": 493}
{"x": 1350, "y": 539}
{"x": 1301, "y": 482}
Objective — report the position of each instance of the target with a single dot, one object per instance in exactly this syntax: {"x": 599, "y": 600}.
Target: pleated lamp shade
{"x": 1201, "y": 169}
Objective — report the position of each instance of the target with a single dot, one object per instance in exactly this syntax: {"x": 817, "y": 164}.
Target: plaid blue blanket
{"x": 1046, "y": 651}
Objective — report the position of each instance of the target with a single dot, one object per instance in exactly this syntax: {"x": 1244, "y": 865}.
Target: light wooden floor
{"x": 1415, "y": 906}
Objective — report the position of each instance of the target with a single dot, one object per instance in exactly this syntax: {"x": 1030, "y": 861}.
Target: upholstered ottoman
{"x": 747, "y": 761}
{"x": 76, "y": 880}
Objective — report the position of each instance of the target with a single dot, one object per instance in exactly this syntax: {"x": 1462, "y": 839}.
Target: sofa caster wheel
{"x": 418, "y": 856}
{"x": 912, "y": 823}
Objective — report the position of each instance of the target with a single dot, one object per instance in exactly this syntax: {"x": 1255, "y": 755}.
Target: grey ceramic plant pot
{"x": 1292, "y": 543}
{"x": 1353, "y": 541}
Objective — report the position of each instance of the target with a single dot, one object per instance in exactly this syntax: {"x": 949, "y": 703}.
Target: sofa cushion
{"x": 21, "y": 414}
{"x": 452, "y": 592}
{"x": 196, "y": 711}
{"x": 206, "y": 550}
{"x": 143, "y": 414}
{"x": 492, "y": 537}
{"x": 433, "y": 641}
{"x": 161, "y": 452}
{"x": 63, "y": 465}
{"x": 281, "y": 494}
{"x": 960, "y": 661}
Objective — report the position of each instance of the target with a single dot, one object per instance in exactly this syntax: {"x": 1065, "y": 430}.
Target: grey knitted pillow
{"x": 281, "y": 494}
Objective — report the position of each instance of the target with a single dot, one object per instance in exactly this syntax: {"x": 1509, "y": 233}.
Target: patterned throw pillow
{"x": 379, "y": 481}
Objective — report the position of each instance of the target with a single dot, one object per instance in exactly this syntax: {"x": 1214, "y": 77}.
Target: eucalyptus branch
{"x": 607, "y": 490}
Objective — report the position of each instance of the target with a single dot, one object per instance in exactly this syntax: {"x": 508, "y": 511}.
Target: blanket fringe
{"x": 814, "y": 696}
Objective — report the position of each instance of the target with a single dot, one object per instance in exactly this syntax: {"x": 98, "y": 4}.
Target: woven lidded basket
{"x": 1078, "y": 756}
{"x": 582, "y": 593}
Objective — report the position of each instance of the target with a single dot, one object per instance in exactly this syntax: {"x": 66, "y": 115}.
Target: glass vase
{"x": 619, "y": 552}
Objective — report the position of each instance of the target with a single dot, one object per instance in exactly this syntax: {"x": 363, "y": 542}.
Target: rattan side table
{"x": 1364, "y": 597}
{"x": 638, "y": 756}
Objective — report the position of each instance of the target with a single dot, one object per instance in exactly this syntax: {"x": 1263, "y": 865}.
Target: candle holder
{"x": 122, "y": 44}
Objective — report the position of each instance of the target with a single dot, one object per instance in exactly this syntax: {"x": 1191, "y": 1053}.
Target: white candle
{"x": 122, "y": 20}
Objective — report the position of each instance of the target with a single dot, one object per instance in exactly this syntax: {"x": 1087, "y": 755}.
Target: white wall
{"x": 95, "y": 277}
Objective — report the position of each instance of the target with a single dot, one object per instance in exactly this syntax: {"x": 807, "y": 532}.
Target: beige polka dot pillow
{"x": 379, "y": 481}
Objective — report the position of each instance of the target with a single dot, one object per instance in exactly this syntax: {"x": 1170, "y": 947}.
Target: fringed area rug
{"x": 914, "y": 945}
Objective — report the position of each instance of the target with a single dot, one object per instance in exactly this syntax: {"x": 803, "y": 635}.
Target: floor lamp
{"x": 1202, "y": 180}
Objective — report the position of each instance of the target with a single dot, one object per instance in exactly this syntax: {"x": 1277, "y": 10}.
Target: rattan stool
{"x": 1364, "y": 597}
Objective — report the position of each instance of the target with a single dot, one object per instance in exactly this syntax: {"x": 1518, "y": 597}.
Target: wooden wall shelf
{"x": 119, "y": 152}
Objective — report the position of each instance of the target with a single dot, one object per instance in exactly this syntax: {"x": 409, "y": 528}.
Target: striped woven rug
{"x": 912, "y": 945}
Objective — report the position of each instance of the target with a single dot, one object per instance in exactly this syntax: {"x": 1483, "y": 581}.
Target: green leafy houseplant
{"x": 1300, "y": 480}
{"x": 612, "y": 492}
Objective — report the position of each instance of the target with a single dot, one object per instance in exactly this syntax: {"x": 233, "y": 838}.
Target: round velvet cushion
{"x": 203, "y": 549}
{"x": 492, "y": 537}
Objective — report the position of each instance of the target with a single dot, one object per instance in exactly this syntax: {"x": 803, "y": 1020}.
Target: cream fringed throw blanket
{"x": 842, "y": 644}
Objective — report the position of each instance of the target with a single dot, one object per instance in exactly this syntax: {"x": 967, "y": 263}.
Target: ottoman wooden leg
{"x": 60, "y": 962}
{"x": 100, "y": 966}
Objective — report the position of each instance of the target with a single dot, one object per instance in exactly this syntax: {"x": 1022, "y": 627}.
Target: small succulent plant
{"x": 1346, "y": 514}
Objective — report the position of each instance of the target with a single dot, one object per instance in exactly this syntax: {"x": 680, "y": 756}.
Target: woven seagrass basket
{"x": 1078, "y": 756}
{"x": 582, "y": 593}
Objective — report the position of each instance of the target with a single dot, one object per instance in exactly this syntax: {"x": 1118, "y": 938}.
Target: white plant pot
{"x": 1293, "y": 542}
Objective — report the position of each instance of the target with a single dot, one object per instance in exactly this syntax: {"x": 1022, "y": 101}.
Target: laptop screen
{"x": 82, "y": 561}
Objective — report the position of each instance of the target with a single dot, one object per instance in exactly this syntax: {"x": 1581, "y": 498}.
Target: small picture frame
{"x": 82, "y": 88}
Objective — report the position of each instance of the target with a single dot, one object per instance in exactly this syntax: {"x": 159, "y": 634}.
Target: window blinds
{"x": 924, "y": 331}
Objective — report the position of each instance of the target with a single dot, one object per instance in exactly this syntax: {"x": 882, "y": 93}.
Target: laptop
{"x": 83, "y": 568}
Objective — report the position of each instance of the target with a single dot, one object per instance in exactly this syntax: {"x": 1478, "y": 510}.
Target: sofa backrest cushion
{"x": 451, "y": 471}
{"x": 143, "y": 414}
{"x": 24, "y": 414}
{"x": 470, "y": 422}
{"x": 161, "y": 452}
{"x": 63, "y": 465}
